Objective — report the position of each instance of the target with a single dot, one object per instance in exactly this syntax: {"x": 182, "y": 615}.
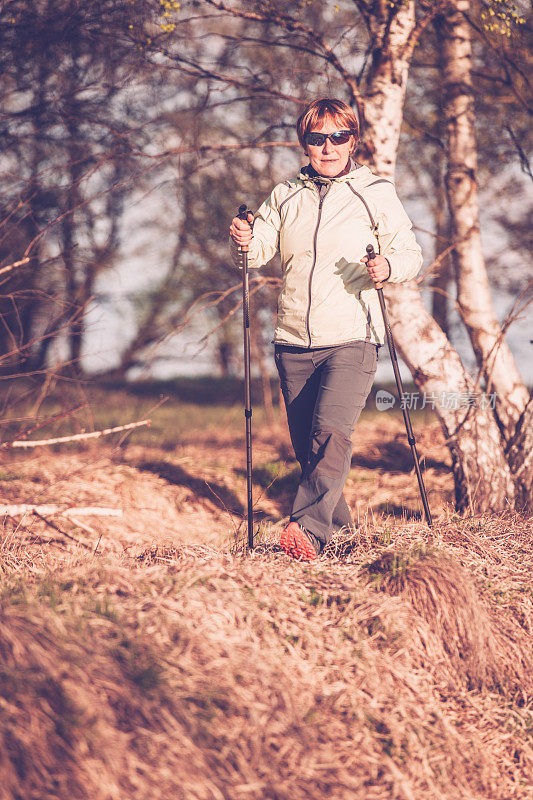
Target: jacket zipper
{"x": 315, "y": 236}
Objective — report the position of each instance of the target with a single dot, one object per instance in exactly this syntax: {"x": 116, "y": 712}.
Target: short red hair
{"x": 341, "y": 113}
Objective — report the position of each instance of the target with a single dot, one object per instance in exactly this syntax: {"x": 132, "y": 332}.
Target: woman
{"x": 329, "y": 324}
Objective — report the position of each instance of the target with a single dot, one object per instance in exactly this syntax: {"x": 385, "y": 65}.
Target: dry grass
{"x": 399, "y": 665}
{"x": 481, "y": 649}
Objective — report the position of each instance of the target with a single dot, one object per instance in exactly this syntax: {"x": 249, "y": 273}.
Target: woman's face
{"x": 329, "y": 159}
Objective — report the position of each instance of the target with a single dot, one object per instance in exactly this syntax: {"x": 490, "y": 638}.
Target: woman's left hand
{"x": 378, "y": 268}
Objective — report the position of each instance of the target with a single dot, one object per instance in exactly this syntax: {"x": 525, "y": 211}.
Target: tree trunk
{"x": 440, "y": 282}
{"x": 493, "y": 355}
{"x": 387, "y": 82}
{"x": 482, "y": 476}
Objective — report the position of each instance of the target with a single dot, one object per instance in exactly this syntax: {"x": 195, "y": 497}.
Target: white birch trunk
{"x": 385, "y": 96}
{"x": 482, "y": 476}
{"x": 493, "y": 355}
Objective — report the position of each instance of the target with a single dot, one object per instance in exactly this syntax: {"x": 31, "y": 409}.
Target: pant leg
{"x": 346, "y": 376}
{"x": 342, "y": 516}
{"x": 299, "y": 385}
{"x": 300, "y": 382}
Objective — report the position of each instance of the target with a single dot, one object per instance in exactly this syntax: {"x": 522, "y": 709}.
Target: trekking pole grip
{"x": 242, "y": 213}
{"x": 371, "y": 253}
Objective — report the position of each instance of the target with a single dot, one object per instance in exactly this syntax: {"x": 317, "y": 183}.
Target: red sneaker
{"x": 296, "y": 543}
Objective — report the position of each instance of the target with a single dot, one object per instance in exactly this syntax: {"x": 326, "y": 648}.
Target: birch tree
{"x": 482, "y": 475}
{"x": 494, "y": 357}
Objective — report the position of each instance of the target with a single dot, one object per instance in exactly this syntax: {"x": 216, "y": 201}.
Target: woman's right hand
{"x": 241, "y": 230}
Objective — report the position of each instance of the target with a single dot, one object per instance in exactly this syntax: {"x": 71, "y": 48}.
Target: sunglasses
{"x": 318, "y": 139}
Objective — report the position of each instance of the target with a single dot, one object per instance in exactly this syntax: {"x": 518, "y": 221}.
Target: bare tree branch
{"x": 294, "y": 26}
{"x": 14, "y": 265}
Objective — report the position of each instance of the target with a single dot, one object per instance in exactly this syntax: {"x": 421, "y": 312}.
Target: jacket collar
{"x": 310, "y": 175}
{"x": 359, "y": 174}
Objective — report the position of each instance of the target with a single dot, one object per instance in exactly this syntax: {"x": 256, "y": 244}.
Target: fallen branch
{"x": 79, "y": 511}
{"x": 76, "y": 437}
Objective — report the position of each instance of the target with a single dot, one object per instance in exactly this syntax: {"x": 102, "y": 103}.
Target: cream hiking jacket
{"x": 321, "y": 228}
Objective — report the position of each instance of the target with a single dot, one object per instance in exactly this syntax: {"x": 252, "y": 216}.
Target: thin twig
{"x": 50, "y": 376}
{"x": 437, "y": 262}
{"x": 97, "y": 545}
{"x": 205, "y": 149}
{"x": 195, "y": 308}
{"x": 486, "y": 369}
{"x": 49, "y": 420}
{"x": 59, "y": 530}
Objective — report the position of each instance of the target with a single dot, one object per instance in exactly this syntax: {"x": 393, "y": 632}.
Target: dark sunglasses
{"x": 318, "y": 139}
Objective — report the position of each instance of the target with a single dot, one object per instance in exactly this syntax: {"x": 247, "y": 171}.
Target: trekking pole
{"x": 243, "y": 214}
{"x": 392, "y": 350}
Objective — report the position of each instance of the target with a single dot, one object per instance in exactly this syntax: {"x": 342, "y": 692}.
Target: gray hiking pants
{"x": 325, "y": 390}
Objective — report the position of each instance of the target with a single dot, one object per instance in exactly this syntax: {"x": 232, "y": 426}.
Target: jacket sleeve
{"x": 265, "y": 240}
{"x": 397, "y": 240}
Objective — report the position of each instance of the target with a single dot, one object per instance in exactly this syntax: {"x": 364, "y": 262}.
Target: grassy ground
{"x": 143, "y": 656}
